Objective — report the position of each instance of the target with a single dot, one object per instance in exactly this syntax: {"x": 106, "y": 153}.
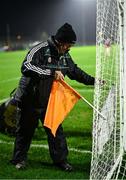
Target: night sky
{"x": 30, "y": 18}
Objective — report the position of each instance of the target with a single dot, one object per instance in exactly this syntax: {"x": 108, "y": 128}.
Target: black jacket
{"x": 38, "y": 73}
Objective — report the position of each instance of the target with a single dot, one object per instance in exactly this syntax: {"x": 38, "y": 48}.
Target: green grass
{"x": 77, "y": 125}
{"x": 10, "y": 63}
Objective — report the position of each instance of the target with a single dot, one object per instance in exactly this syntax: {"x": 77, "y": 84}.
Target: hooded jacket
{"x": 38, "y": 73}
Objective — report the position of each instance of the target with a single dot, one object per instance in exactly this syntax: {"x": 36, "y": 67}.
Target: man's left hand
{"x": 59, "y": 75}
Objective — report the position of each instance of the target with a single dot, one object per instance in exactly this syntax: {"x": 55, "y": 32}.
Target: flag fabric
{"x": 61, "y": 101}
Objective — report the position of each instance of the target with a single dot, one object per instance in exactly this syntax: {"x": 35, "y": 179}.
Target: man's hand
{"x": 59, "y": 75}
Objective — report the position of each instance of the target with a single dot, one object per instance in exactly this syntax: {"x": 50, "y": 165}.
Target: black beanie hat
{"x": 65, "y": 34}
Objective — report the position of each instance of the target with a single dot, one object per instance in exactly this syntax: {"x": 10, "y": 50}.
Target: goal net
{"x": 109, "y": 134}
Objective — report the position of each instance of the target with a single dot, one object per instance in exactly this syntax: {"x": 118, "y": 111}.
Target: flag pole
{"x": 63, "y": 82}
{"x": 93, "y": 107}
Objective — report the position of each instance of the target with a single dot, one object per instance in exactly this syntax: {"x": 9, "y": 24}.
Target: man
{"x": 38, "y": 74}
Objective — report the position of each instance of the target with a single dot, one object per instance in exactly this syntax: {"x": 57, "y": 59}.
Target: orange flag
{"x": 61, "y": 101}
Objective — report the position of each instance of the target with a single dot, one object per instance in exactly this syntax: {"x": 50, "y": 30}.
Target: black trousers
{"x": 27, "y": 121}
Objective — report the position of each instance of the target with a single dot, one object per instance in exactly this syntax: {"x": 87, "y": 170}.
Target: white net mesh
{"x": 107, "y": 151}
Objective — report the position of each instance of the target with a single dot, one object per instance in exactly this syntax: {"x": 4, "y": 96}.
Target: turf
{"x": 77, "y": 125}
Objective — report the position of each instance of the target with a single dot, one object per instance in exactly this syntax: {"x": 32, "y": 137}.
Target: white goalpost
{"x": 109, "y": 135}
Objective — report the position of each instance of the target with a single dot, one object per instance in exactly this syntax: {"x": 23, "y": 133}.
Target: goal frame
{"x": 122, "y": 68}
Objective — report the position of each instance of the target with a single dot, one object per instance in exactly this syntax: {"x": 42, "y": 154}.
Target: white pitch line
{"x": 46, "y": 147}
{"x": 9, "y": 80}
{"x": 3, "y": 100}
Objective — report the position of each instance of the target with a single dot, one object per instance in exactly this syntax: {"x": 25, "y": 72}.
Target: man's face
{"x": 64, "y": 47}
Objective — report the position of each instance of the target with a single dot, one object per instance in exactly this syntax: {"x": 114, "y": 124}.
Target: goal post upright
{"x": 124, "y": 77}
{"x": 122, "y": 88}
{"x": 123, "y": 73}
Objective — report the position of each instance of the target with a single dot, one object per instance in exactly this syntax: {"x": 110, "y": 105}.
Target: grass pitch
{"x": 77, "y": 125}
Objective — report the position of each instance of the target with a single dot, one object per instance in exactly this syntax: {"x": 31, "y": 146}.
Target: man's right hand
{"x": 59, "y": 75}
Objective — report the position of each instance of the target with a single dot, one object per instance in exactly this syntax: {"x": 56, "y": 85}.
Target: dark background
{"x": 34, "y": 20}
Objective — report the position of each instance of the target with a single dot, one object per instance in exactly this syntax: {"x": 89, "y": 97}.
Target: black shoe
{"x": 21, "y": 165}
{"x": 65, "y": 166}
